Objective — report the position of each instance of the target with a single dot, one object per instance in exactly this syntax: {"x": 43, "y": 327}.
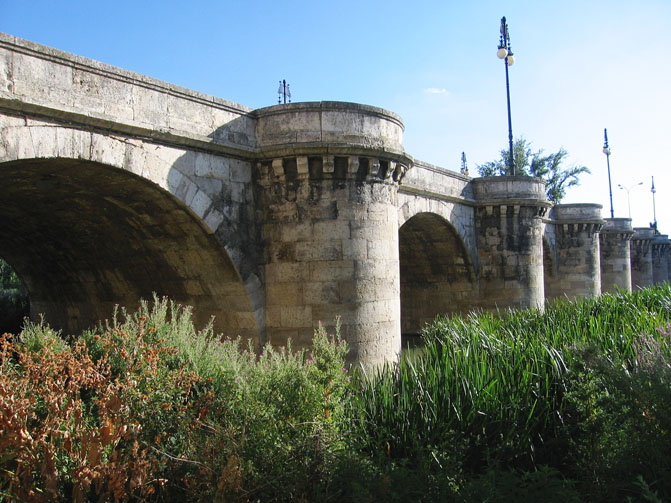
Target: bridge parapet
{"x": 511, "y": 190}
{"x": 429, "y": 181}
{"x": 331, "y": 126}
{"x": 47, "y": 82}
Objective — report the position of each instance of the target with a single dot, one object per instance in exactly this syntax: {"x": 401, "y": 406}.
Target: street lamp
{"x": 283, "y": 92}
{"x": 606, "y": 150}
{"x": 627, "y": 189}
{"x": 506, "y": 54}
{"x": 654, "y": 212}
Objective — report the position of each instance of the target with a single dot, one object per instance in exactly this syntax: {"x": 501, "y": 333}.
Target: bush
{"x": 65, "y": 431}
{"x": 146, "y": 407}
{"x": 526, "y": 406}
{"x": 618, "y": 425}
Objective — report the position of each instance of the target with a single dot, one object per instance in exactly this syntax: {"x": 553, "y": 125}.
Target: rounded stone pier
{"x": 509, "y": 211}
{"x": 641, "y": 257}
{"x": 577, "y": 229}
{"x": 660, "y": 261}
{"x": 614, "y": 240}
{"x": 328, "y": 188}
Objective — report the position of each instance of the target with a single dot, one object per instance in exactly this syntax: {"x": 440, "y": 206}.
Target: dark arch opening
{"x": 437, "y": 275}
{"x": 84, "y": 237}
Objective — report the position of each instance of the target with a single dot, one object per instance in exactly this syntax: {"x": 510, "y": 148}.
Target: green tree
{"x": 558, "y": 178}
{"x": 8, "y": 278}
{"x": 14, "y": 302}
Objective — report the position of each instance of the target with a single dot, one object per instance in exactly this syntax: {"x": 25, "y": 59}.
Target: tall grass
{"x": 489, "y": 387}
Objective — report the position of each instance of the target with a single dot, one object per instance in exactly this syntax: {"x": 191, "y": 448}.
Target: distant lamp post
{"x": 464, "y": 166}
{"x": 506, "y": 54}
{"x": 654, "y": 211}
{"x": 606, "y": 150}
{"x": 627, "y": 189}
{"x": 283, "y": 93}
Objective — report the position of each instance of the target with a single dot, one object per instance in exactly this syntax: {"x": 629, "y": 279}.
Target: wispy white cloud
{"x": 436, "y": 90}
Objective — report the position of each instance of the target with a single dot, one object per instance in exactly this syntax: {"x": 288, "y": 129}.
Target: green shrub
{"x": 145, "y": 406}
{"x": 545, "y": 485}
{"x": 618, "y": 425}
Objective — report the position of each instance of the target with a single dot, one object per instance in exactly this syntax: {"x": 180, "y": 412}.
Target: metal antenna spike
{"x": 284, "y": 92}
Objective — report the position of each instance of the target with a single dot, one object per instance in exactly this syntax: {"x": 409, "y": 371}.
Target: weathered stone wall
{"x": 614, "y": 241}
{"x": 576, "y": 235}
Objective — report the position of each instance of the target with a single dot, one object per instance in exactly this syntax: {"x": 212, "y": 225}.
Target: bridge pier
{"x": 330, "y": 227}
{"x": 510, "y": 240}
{"x": 614, "y": 241}
{"x": 660, "y": 261}
{"x": 577, "y": 251}
{"x": 641, "y": 257}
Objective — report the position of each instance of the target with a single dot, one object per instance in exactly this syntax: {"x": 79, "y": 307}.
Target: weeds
{"x": 567, "y": 405}
{"x": 147, "y": 408}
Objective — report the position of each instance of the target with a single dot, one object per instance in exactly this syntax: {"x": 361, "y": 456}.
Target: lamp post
{"x": 627, "y": 189}
{"x": 464, "y": 166}
{"x": 283, "y": 92}
{"x": 606, "y": 150}
{"x": 506, "y": 55}
{"x": 654, "y": 212}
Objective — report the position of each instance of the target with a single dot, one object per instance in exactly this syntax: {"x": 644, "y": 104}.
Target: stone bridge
{"x": 116, "y": 186}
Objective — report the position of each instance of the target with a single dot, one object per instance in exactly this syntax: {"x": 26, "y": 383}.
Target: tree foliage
{"x": 558, "y": 178}
{"x": 8, "y": 278}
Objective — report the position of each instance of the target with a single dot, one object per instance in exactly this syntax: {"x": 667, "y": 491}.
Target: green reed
{"x": 490, "y": 386}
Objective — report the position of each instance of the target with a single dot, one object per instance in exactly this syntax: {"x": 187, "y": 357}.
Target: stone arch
{"x": 461, "y": 218}
{"x": 90, "y": 220}
{"x": 437, "y": 273}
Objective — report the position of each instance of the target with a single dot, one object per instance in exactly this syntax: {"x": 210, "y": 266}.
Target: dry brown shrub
{"x": 64, "y": 429}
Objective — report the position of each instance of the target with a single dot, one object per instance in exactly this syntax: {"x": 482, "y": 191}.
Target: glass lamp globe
{"x": 606, "y": 150}
{"x": 502, "y": 52}
{"x": 510, "y": 59}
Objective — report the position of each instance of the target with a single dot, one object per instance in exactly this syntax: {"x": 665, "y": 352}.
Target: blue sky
{"x": 581, "y": 66}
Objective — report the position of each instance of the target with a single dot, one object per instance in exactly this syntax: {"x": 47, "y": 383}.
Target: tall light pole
{"x": 606, "y": 150}
{"x": 627, "y": 189}
{"x": 283, "y": 92}
{"x": 654, "y": 212}
{"x": 506, "y": 55}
